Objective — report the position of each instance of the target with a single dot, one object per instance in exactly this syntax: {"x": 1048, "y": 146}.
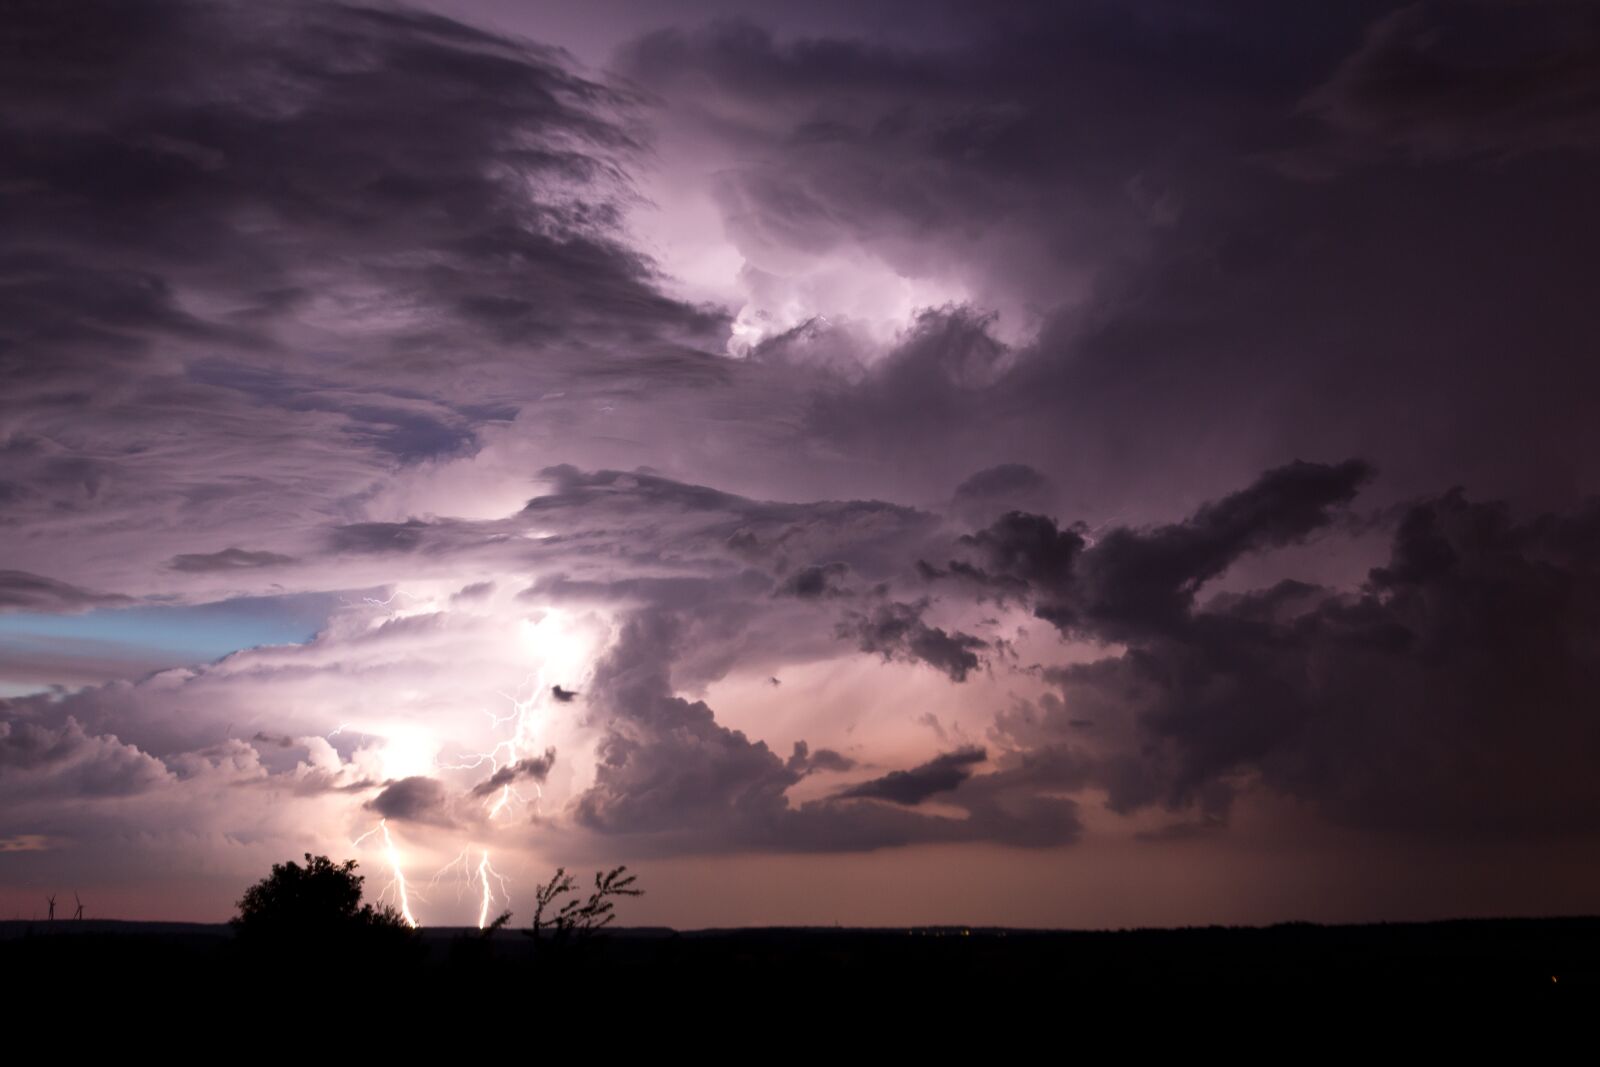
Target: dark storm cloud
{"x": 665, "y": 764}
{"x": 396, "y": 422}
{"x": 804, "y": 760}
{"x": 1438, "y": 81}
{"x": 940, "y": 376}
{"x": 1004, "y": 481}
{"x": 941, "y": 774}
{"x": 1019, "y": 551}
{"x": 416, "y": 799}
{"x": 250, "y": 250}
{"x": 814, "y": 581}
{"x": 284, "y": 286}
{"x": 673, "y": 779}
{"x": 1031, "y": 150}
{"x": 1111, "y": 171}
{"x": 419, "y": 150}
{"x": 1449, "y": 694}
{"x": 1004, "y": 488}
{"x": 38, "y": 761}
{"x": 229, "y": 559}
{"x": 896, "y": 631}
{"x": 534, "y": 768}
{"x": 21, "y": 591}
{"x": 1131, "y": 582}
{"x": 842, "y": 136}
{"x": 650, "y": 516}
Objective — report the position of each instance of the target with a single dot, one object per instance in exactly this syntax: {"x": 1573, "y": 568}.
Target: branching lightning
{"x": 488, "y": 884}
{"x": 398, "y": 879}
{"x": 520, "y": 728}
{"x": 524, "y": 719}
{"x": 486, "y": 872}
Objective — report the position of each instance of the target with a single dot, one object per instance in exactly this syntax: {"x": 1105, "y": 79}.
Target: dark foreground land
{"x": 1550, "y": 954}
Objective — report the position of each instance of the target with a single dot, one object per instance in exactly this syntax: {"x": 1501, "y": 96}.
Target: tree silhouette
{"x": 578, "y": 919}
{"x": 319, "y": 901}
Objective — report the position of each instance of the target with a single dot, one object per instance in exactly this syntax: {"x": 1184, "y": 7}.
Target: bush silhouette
{"x": 578, "y": 919}
{"x": 320, "y": 901}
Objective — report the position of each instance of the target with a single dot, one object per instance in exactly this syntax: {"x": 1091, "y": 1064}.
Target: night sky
{"x": 1061, "y": 464}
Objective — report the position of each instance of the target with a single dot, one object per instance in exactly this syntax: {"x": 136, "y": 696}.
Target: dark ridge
{"x": 980, "y": 961}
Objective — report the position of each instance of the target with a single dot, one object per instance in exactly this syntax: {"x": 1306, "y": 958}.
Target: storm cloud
{"x": 1142, "y": 438}
{"x": 535, "y": 769}
{"x": 939, "y": 775}
{"x": 1421, "y": 701}
{"x": 415, "y": 799}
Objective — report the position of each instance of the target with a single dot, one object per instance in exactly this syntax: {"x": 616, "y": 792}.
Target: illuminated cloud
{"x": 825, "y": 450}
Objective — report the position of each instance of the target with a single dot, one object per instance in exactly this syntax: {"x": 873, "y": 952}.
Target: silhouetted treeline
{"x": 1513, "y": 953}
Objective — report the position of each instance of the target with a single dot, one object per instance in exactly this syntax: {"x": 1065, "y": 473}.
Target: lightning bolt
{"x": 488, "y": 884}
{"x": 523, "y": 719}
{"x": 520, "y": 727}
{"x": 399, "y": 875}
{"x": 486, "y": 872}
{"x": 398, "y": 880}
